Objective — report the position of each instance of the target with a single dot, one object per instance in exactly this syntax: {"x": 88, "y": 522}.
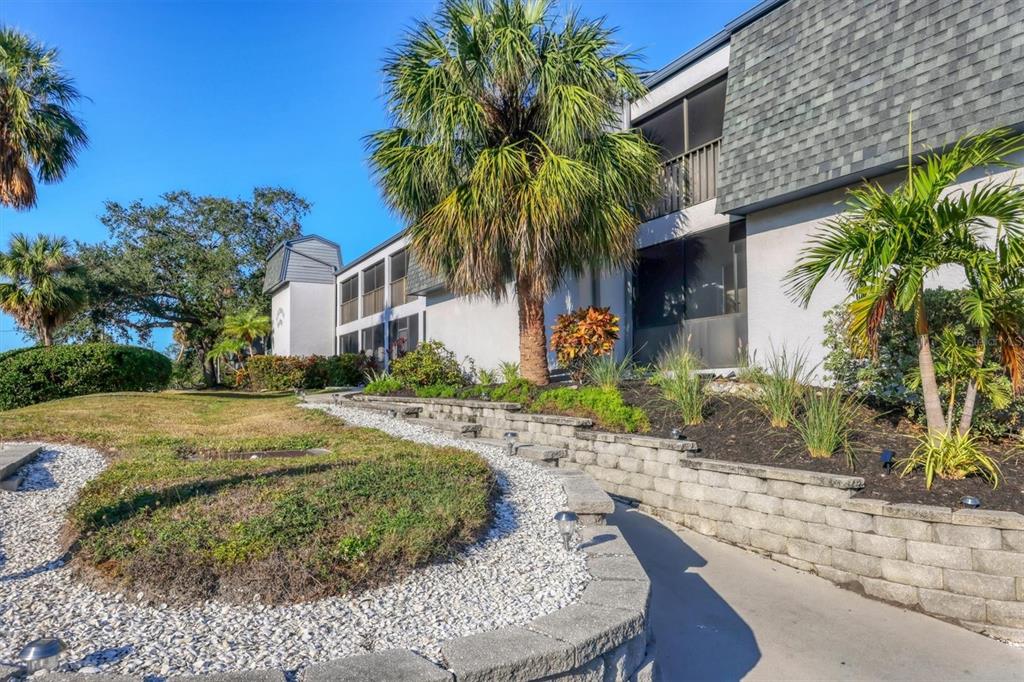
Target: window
{"x": 399, "y": 267}
{"x": 349, "y": 343}
{"x": 373, "y": 289}
{"x": 373, "y": 342}
{"x": 705, "y": 113}
{"x": 350, "y": 299}
{"x": 403, "y": 335}
{"x": 693, "y": 291}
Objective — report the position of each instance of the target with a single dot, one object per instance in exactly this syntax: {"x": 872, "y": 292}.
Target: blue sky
{"x": 219, "y": 97}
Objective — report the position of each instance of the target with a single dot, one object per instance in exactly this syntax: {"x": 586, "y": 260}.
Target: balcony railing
{"x": 350, "y": 311}
{"x": 398, "y": 295}
{"x": 688, "y": 179}
{"x": 373, "y": 301}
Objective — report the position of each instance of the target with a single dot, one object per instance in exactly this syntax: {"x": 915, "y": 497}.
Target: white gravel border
{"x": 515, "y": 574}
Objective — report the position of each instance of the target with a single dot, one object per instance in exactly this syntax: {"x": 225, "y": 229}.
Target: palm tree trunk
{"x": 929, "y": 385}
{"x": 972, "y": 393}
{"x": 47, "y": 335}
{"x": 533, "y": 344}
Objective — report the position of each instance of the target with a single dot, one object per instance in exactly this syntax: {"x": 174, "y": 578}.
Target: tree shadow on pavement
{"x": 697, "y": 635}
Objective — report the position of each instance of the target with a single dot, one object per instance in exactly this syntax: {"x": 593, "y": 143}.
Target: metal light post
{"x": 566, "y": 526}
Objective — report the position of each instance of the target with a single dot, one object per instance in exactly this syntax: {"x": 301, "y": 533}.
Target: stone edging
{"x": 602, "y": 636}
{"x": 966, "y": 566}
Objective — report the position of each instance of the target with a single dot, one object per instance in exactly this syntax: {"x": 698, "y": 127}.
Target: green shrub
{"x": 187, "y": 372}
{"x": 382, "y": 383}
{"x": 40, "y": 374}
{"x": 430, "y": 364}
{"x": 605, "y": 406}
{"x": 782, "y": 386}
{"x": 509, "y": 371}
{"x": 439, "y": 391}
{"x": 517, "y": 390}
{"x": 681, "y": 383}
{"x": 284, "y": 373}
{"x": 951, "y": 456}
{"x": 827, "y": 421}
{"x": 486, "y": 377}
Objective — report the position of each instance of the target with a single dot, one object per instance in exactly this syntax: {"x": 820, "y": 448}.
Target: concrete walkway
{"x": 721, "y": 613}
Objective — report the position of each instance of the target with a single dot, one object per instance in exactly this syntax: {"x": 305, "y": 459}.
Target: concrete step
{"x": 463, "y": 429}
{"x": 13, "y": 456}
{"x": 585, "y": 497}
{"x": 541, "y": 454}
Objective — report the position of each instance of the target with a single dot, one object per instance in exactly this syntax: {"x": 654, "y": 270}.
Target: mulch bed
{"x": 736, "y": 430}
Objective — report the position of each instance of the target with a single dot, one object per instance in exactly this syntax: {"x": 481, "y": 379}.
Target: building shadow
{"x": 697, "y": 634}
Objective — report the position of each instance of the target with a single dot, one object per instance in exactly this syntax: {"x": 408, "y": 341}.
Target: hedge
{"x": 40, "y": 374}
{"x": 284, "y": 373}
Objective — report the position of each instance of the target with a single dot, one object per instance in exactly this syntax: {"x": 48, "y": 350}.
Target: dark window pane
{"x": 398, "y": 265}
{"x": 665, "y": 129}
{"x": 350, "y": 342}
{"x": 705, "y": 114}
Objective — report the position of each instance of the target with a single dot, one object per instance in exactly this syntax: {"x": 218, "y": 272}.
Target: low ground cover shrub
{"x": 605, "y": 406}
{"x": 826, "y": 422}
{"x": 952, "y": 456}
{"x": 284, "y": 373}
{"x": 579, "y": 337}
{"x": 382, "y": 383}
{"x": 431, "y": 364}
{"x": 40, "y": 374}
{"x": 678, "y": 376}
{"x": 174, "y": 518}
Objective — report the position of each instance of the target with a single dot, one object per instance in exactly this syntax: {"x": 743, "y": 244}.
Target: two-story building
{"x": 762, "y": 128}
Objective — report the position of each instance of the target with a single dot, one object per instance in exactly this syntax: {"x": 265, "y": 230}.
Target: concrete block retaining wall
{"x": 966, "y": 566}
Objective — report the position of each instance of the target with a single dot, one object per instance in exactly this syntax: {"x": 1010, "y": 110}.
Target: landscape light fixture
{"x": 677, "y": 434}
{"x": 887, "y": 461}
{"x": 510, "y": 442}
{"x": 392, "y": 413}
{"x": 566, "y": 525}
{"x": 970, "y": 502}
{"x": 42, "y": 654}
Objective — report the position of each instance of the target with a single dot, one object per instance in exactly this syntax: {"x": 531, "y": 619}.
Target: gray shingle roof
{"x": 304, "y": 259}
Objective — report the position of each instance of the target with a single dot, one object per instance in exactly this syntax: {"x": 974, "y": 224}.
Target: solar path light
{"x": 42, "y": 654}
{"x": 566, "y": 525}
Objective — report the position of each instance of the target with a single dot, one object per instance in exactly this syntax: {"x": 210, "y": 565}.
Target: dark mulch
{"x": 736, "y": 430}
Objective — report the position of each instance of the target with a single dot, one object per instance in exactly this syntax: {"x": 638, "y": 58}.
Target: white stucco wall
{"x": 775, "y": 237}
{"x": 476, "y": 327}
{"x": 303, "y": 315}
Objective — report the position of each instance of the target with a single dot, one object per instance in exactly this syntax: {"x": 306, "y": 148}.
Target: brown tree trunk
{"x": 533, "y": 342}
{"x": 209, "y": 368}
{"x": 929, "y": 385}
{"x": 967, "y": 416}
{"x": 47, "y": 335}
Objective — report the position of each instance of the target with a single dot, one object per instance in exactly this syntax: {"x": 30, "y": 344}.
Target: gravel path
{"x": 518, "y": 572}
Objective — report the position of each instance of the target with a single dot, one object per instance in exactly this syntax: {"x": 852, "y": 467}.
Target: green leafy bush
{"x": 431, "y": 364}
{"x": 826, "y": 422}
{"x": 284, "y": 373}
{"x": 605, "y": 406}
{"x": 887, "y": 381}
{"x": 382, "y": 383}
{"x": 578, "y": 337}
{"x": 40, "y": 374}
{"x": 783, "y": 384}
{"x": 951, "y": 456}
{"x": 439, "y": 391}
{"x": 681, "y": 383}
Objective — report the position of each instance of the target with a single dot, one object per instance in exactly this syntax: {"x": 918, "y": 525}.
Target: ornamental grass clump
{"x": 826, "y": 422}
{"x": 606, "y": 372}
{"x": 783, "y": 385}
{"x": 951, "y": 456}
{"x": 678, "y": 376}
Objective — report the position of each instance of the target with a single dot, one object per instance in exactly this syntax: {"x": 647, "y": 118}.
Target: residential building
{"x": 762, "y": 127}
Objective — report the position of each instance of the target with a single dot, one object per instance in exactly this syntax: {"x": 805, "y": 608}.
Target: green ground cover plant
{"x": 174, "y": 517}
{"x": 605, "y": 406}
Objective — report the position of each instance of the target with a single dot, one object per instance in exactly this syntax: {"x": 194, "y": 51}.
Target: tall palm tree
{"x": 887, "y": 243}
{"x": 505, "y": 154}
{"x": 247, "y": 326}
{"x": 38, "y": 132}
{"x": 44, "y": 288}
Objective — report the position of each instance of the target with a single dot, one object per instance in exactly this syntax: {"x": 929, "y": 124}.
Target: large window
{"x": 373, "y": 341}
{"x": 350, "y": 299}
{"x": 403, "y": 335}
{"x": 373, "y": 289}
{"x": 399, "y": 267}
{"x": 693, "y": 291}
{"x": 349, "y": 343}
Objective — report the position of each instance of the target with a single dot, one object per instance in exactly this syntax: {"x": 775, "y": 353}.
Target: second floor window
{"x": 350, "y": 299}
{"x": 373, "y": 289}
{"x": 399, "y": 267}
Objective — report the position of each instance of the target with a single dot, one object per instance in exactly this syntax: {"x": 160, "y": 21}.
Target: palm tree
{"x": 506, "y": 157}
{"x": 226, "y": 348}
{"x": 38, "y": 132}
{"x": 44, "y": 288}
{"x": 887, "y": 243}
{"x": 247, "y": 326}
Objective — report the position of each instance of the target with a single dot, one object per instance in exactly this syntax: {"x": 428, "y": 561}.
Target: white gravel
{"x": 518, "y": 572}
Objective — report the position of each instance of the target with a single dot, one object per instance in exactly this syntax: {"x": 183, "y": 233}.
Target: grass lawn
{"x": 171, "y": 518}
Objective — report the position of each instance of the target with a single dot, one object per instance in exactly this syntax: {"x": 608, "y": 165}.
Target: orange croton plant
{"x": 582, "y": 335}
